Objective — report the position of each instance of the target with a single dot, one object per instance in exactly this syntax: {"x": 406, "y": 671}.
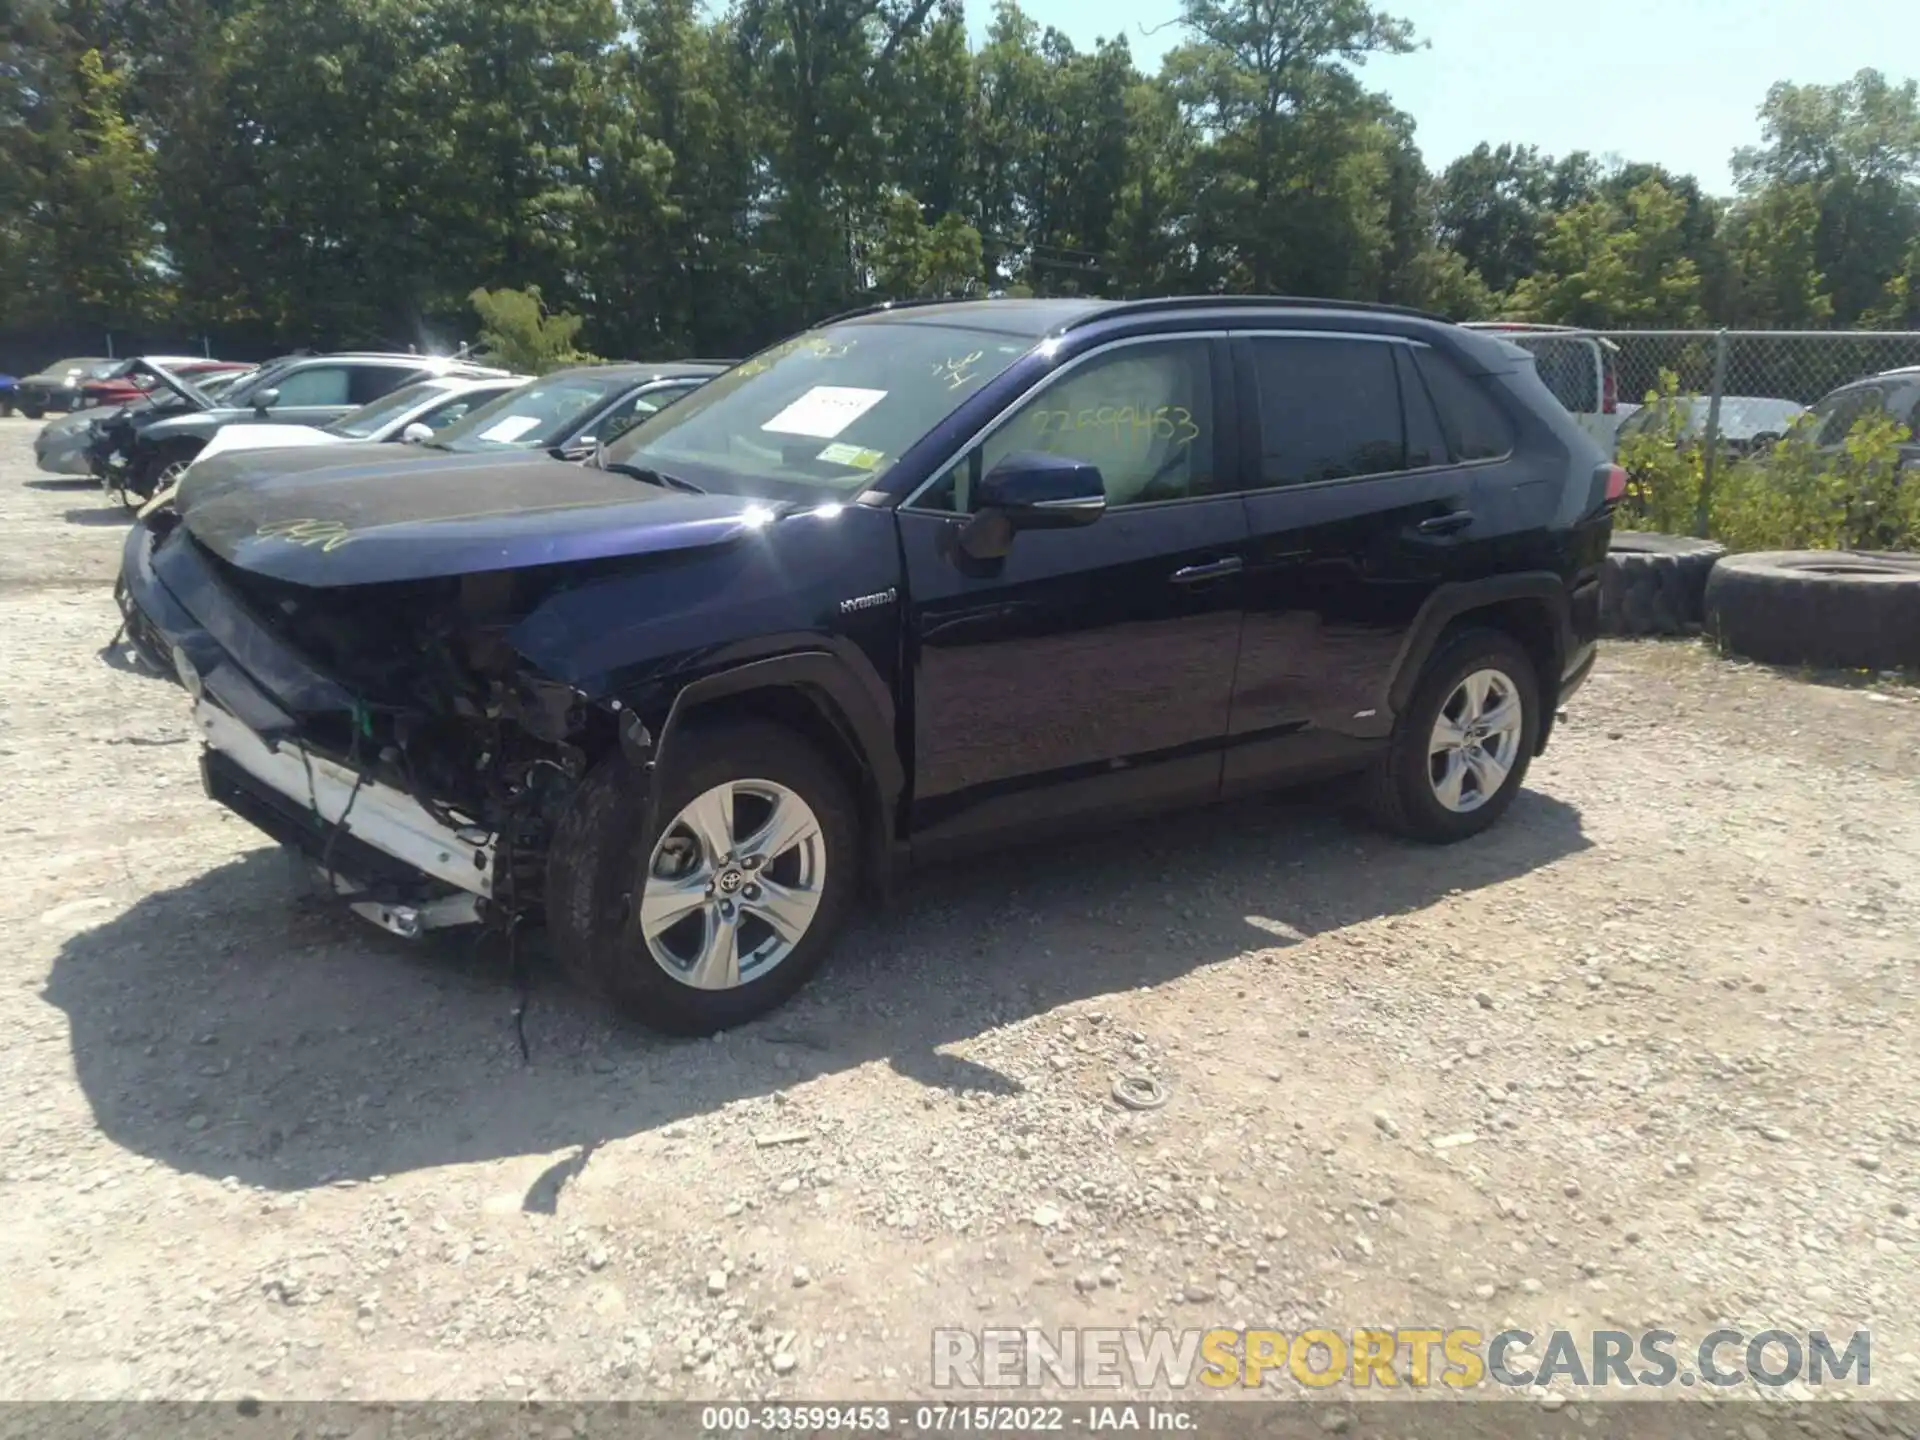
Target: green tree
{"x": 519, "y": 333}
{"x": 1271, "y": 83}
{"x": 1606, "y": 263}
{"x": 1493, "y": 203}
{"x": 1774, "y": 242}
{"x": 1857, "y": 145}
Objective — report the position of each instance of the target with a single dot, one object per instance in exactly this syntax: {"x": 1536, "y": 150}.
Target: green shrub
{"x": 1795, "y": 497}
{"x": 1790, "y": 497}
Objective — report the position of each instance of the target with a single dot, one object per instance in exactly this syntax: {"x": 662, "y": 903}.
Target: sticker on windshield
{"x": 824, "y": 411}
{"x": 841, "y": 453}
{"x": 510, "y": 429}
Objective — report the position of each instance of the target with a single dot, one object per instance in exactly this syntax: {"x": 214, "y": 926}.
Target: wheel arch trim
{"x": 1451, "y": 601}
{"x": 824, "y": 679}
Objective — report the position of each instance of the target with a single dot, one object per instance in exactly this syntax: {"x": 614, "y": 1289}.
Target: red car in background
{"x": 121, "y": 389}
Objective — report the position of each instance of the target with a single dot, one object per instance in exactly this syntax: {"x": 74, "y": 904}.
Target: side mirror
{"x": 266, "y": 399}
{"x": 418, "y": 433}
{"x": 1031, "y": 490}
{"x": 1038, "y": 491}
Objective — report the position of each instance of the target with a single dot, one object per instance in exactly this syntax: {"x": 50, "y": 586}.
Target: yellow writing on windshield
{"x": 958, "y": 370}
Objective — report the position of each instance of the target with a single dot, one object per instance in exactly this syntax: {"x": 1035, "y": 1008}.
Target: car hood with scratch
{"x": 452, "y": 515}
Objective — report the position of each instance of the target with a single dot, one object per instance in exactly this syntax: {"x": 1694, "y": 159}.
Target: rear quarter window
{"x": 1475, "y": 428}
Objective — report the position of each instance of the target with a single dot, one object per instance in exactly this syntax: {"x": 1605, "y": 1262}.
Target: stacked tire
{"x": 1834, "y": 609}
{"x": 1656, "y": 584}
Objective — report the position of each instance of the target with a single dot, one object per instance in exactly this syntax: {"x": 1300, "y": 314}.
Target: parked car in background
{"x": 1895, "y": 393}
{"x": 9, "y": 394}
{"x": 127, "y": 384}
{"x": 566, "y": 413}
{"x": 137, "y": 454}
{"x": 1747, "y": 422}
{"x": 415, "y": 412}
{"x": 923, "y": 578}
{"x": 1579, "y": 368}
{"x": 63, "y": 446}
{"x": 58, "y": 386}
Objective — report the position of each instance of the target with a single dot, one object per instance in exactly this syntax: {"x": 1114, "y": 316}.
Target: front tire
{"x": 32, "y": 410}
{"x": 1461, "y": 749}
{"x": 148, "y": 477}
{"x": 731, "y": 903}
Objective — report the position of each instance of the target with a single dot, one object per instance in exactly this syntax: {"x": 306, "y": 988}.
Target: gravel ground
{"x": 255, "y": 1147}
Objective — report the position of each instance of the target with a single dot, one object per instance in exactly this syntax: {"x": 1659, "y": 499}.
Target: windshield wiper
{"x": 651, "y": 477}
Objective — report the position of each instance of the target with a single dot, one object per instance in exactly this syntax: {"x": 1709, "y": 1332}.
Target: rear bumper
{"x": 378, "y": 843}
{"x": 1575, "y": 677}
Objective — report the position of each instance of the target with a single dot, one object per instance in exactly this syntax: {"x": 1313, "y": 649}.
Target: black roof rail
{"x": 1251, "y": 302}
{"x": 885, "y": 305}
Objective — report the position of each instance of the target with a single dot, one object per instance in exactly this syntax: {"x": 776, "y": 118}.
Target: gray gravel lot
{"x": 254, "y": 1147}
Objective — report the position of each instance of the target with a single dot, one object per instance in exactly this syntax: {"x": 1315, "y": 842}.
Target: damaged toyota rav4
{"x": 922, "y": 578}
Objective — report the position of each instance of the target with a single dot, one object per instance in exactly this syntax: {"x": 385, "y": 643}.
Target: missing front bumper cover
{"x": 390, "y": 842}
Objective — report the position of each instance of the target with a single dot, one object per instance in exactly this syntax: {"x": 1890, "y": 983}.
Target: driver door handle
{"x": 1213, "y": 570}
{"x": 1446, "y": 524}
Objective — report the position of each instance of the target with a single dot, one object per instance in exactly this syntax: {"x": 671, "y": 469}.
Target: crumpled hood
{"x": 420, "y": 518}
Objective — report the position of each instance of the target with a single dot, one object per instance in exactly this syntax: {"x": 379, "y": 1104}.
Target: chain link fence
{"x": 1727, "y": 396}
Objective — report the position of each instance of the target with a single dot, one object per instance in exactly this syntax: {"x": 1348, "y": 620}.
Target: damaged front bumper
{"x": 395, "y": 861}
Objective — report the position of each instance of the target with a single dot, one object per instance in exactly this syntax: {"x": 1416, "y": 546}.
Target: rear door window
{"x": 1329, "y": 410}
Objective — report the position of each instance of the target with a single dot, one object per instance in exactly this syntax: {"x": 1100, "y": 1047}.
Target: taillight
{"x": 1616, "y": 484}
{"x": 1609, "y": 392}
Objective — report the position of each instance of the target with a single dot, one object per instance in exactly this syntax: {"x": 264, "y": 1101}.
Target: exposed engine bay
{"x": 445, "y": 710}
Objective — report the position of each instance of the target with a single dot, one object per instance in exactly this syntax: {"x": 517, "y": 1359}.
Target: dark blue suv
{"x": 920, "y": 578}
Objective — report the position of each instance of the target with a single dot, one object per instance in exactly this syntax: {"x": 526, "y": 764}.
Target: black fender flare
{"x": 1449, "y": 602}
{"x": 865, "y": 714}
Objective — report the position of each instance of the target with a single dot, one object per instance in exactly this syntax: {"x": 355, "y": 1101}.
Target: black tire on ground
{"x": 598, "y": 858}
{"x": 32, "y": 409}
{"x": 1847, "y": 610}
{"x": 1655, "y": 584}
{"x": 6, "y": 409}
{"x": 1397, "y": 789}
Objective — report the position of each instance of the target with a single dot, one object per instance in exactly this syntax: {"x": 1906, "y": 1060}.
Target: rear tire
{"x": 1406, "y": 790}
{"x": 32, "y": 410}
{"x": 601, "y": 869}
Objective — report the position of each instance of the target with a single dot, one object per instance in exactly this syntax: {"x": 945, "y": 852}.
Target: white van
{"x": 1579, "y": 367}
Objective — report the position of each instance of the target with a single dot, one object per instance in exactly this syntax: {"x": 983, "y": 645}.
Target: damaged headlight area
{"x": 388, "y": 731}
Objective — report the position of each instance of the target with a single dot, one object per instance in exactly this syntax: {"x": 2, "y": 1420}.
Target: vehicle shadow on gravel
{"x": 229, "y": 1026}
{"x": 105, "y": 515}
{"x": 67, "y": 485}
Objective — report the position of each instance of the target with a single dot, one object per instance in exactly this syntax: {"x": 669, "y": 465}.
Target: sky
{"x": 1676, "y": 82}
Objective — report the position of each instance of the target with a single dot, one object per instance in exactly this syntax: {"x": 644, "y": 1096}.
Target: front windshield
{"x": 832, "y": 408}
{"x": 540, "y": 413}
{"x": 217, "y": 384}
{"x": 369, "y": 420}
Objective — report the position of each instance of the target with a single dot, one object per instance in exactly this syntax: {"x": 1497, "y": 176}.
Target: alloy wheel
{"x": 1475, "y": 741}
{"x": 733, "y": 885}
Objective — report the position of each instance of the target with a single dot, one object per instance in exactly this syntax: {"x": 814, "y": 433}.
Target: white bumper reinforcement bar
{"x": 390, "y": 820}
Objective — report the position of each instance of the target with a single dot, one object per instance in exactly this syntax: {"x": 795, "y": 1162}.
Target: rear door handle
{"x": 1446, "y": 524}
{"x": 1213, "y": 570}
